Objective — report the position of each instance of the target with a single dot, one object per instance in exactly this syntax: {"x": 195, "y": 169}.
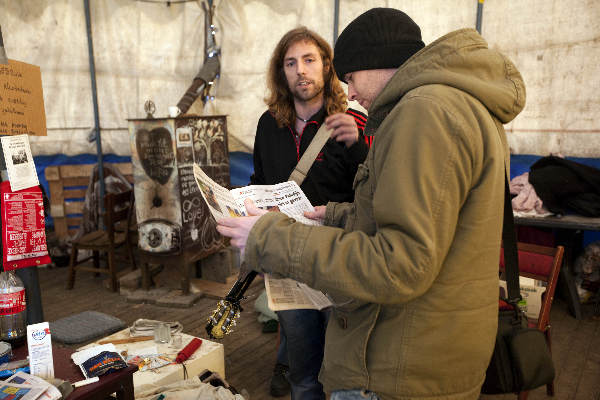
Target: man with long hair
{"x": 304, "y": 92}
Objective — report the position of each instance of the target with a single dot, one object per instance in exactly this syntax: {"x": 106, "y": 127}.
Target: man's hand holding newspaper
{"x": 239, "y": 236}
{"x": 251, "y": 202}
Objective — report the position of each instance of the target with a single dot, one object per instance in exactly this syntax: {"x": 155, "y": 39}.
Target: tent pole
{"x": 88, "y": 24}
{"x": 479, "y": 15}
{"x": 336, "y": 20}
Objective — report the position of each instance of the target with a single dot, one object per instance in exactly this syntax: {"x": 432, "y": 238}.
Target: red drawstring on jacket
{"x": 188, "y": 350}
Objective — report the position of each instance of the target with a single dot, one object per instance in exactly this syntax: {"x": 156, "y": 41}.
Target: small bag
{"x": 521, "y": 360}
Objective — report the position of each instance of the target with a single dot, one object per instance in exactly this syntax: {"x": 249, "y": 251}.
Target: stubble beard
{"x": 307, "y": 95}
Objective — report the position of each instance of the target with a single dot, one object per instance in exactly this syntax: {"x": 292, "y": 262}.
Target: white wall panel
{"x": 152, "y": 51}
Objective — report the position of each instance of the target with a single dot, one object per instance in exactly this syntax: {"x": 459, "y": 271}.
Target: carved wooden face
{"x": 155, "y": 150}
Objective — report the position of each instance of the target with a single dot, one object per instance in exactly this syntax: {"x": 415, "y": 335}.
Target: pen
{"x": 86, "y": 382}
{"x": 159, "y": 397}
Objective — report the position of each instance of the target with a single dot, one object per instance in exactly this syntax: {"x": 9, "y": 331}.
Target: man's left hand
{"x": 238, "y": 228}
{"x": 344, "y": 128}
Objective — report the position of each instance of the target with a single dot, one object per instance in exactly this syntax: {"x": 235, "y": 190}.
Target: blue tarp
{"x": 241, "y": 167}
{"x": 519, "y": 164}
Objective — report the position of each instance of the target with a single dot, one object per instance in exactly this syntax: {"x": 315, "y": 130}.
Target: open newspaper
{"x": 287, "y": 197}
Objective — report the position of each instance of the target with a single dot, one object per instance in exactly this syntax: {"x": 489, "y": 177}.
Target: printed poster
{"x": 23, "y": 228}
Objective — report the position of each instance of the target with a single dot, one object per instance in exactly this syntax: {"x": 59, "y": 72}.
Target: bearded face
{"x": 303, "y": 67}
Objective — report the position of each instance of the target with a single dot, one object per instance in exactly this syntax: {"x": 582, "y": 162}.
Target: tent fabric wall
{"x": 145, "y": 50}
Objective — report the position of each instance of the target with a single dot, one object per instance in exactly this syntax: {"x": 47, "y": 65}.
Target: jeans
{"x": 303, "y": 333}
{"x": 353, "y": 395}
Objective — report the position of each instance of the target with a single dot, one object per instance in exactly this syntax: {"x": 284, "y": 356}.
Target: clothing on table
{"x": 526, "y": 199}
{"x": 566, "y": 186}
{"x": 414, "y": 269}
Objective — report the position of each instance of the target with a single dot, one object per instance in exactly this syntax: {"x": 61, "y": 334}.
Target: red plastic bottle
{"x": 13, "y": 312}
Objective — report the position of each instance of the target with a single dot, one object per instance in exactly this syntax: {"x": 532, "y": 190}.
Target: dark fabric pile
{"x": 566, "y": 186}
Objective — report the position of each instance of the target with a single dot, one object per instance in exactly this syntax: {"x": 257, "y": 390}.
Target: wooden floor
{"x": 250, "y": 354}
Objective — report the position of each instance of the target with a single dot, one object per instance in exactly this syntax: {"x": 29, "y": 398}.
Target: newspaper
{"x": 19, "y": 162}
{"x": 22, "y": 378}
{"x": 15, "y": 391}
{"x": 287, "y": 294}
{"x": 286, "y": 197}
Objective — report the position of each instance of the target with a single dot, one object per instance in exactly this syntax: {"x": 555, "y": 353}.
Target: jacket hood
{"x": 460, "y": 59}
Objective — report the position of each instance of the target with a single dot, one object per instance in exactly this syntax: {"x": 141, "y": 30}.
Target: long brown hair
{"x": 280, "y": 100}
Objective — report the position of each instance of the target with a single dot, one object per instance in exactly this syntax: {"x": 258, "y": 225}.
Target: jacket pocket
{"x": 363, "y": 218}
{"x": 362, "y": 174}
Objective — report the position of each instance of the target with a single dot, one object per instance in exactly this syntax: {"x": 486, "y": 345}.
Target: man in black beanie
{"x": 412, "y": 263}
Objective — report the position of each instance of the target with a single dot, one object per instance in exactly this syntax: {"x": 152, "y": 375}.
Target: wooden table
{"x": 210, "y": 355}
{"x": 119, "y": 382}
{"x": 569, "y": 233}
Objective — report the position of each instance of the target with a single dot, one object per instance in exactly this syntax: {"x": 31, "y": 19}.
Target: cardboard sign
{"x": 21, "y": 100}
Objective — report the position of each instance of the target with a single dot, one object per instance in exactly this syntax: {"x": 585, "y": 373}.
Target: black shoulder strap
{"x": 511, "y": 258}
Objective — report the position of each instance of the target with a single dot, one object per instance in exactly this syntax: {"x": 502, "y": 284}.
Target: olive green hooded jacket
{"x": 412, "y": 264}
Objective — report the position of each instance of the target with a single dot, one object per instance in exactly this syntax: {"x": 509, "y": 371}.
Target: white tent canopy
{"x": 151, "y": 50}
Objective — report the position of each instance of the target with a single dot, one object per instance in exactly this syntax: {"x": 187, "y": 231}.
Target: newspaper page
{"x": 287, "y": 294}
{"x": 19, "y": 162}
{"x": 14, "y": 391}
{"x": 286, "y": 197}
{"x": 22, "y": 378}
{"x": 221, "y": 203}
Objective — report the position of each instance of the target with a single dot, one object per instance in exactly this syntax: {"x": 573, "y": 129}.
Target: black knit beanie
{"x": 380, "y": 38}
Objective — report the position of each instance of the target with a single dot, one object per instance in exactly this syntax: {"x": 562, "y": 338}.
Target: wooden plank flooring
{"x": 250, "y": 354}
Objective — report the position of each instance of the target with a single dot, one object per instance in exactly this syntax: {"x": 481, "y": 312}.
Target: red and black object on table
{"x": 188, "y": 350}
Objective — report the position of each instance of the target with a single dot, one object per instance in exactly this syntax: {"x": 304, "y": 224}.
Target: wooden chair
{"x": 117, "y": 220}
{"x": 68, "y": 185}
{"x": 541, "y": 263}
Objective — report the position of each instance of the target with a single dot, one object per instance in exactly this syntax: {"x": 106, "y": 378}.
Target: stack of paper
{"x": 28, "y": 387}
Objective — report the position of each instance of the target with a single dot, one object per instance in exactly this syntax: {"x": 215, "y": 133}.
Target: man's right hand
{"x": 318, "y": 214}
{"x": 344, "y": 128}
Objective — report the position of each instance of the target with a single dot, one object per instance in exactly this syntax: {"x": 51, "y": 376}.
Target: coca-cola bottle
{"x": 13, "y": 312}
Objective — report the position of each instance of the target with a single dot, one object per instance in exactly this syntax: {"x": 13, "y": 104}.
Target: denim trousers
{"x": 302, "y": 343}
{"x": 353, "y": 395}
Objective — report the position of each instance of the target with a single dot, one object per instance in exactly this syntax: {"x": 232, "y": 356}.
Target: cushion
{"x": 83, "y": 327}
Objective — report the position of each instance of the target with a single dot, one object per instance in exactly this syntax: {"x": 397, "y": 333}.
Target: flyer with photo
{"x": 19, "y": 162}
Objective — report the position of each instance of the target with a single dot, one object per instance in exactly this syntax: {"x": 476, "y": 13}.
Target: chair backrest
{"x": 541, "y": 263}
{"x": 67, "y": 184}
{"x": 118, "y": 208}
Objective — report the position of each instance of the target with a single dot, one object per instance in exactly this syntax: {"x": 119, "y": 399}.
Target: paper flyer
{"x": 19, "y": 162}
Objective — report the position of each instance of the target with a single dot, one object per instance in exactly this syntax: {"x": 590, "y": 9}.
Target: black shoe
{"x": 279, "y": 383}
{"x": 270, "y": 326}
